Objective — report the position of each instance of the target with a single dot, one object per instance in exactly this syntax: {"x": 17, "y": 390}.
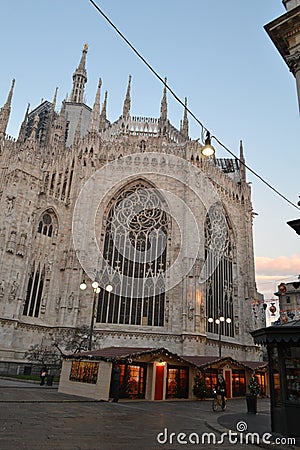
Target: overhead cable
{"x": 186, "y": 107}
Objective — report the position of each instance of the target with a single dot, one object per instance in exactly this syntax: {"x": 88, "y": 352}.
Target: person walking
{"x": 115, "y": 382}
{"x": 43, "y": 376}
{"x": 221, "y": 389}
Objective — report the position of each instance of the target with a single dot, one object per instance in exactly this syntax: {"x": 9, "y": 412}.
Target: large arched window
{"x": 34, "y": 292}
{"x": 45, "y": 226}
{"x": 219, "y": 285}
{"x": 45, "y": 234}
{"x": 135, "y": 248}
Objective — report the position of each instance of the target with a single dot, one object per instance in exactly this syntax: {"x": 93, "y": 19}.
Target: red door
{"x": 228, "y": 383}
{"x": 159, "y": 382}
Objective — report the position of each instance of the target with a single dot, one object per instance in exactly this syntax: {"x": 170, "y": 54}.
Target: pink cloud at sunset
{"x": 272, "y": 271}
{"x": 282, "y": 265}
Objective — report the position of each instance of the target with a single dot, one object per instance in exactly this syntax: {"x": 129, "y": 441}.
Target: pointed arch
{"x": 138, "y": 254}
{"x": 45, "y": 233}
{"x": 219, "y": 286}
{"x": 48, "y": 223}
{"x": 34, "y": 291}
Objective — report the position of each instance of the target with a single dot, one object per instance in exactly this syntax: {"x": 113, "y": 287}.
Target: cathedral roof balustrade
{"x": 228, "y": 182}
{"x": 228, "y": 165}
{"x": 142, "y": 126}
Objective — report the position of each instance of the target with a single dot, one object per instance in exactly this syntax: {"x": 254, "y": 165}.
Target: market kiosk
{"x": 283, "y": 345}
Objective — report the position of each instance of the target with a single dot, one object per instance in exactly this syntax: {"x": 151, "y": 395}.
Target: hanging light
{"x": 83, "y": 285}
{"x": 208, "y": 150}
{"x": 228, "y": 320}
{"x": 95, "y": 284}
{"x": 109, "y": 288}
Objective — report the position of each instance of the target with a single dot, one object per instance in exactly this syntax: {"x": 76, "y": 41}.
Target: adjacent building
{"x": 285, "y": 34}
{"x": 289, "y": 301}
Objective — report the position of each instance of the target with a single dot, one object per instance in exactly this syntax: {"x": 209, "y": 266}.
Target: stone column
{"x": 293, "y": 61}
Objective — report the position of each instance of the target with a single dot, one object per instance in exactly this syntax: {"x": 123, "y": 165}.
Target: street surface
{"x": 38, "y": 417}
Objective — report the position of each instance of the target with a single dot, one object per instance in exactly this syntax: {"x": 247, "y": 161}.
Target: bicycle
{"x": 217, "y": 403}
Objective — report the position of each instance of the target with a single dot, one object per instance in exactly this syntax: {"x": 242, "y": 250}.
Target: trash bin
{"x": 251, "y": 403}
{"x": 50, "y": 380}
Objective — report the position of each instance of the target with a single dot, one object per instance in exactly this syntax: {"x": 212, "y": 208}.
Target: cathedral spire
{"x": 5, "y": 110}
{"x": 163, "y": 110}
{"x": 102, "y": 121}
{"x": 52, "y": 117}
{"x": 58, "y": 129}
{"x": 185, "y": 122}
{"x": 164, "y": 105}
{"x": 62, "y": 113}
{"x": 127, "y": 102}
{"x": 79, "y": 79}
{"x": 94, "y": 125}
{"x": 10, "y": 94}
{"x": 242, "y": 163}
{"x": 31, "y": 140}
{"x": 54, "y": 99}
{"x": 22, "y": 132}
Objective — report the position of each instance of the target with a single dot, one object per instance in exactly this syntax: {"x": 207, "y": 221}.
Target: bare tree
{"x": 79, "y": 340}
{"x": 43, "y": 355}
{"x": 76, "y": 342}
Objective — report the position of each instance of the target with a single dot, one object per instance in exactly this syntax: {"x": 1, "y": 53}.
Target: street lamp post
{"x": 96, "y": 289}
{"x": 218, "y": 320}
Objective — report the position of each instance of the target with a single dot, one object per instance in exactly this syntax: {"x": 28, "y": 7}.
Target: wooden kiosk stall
{"x": 283, "y": 345}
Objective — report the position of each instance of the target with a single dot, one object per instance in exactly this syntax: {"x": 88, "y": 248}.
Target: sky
{"x": 216, "y": 53}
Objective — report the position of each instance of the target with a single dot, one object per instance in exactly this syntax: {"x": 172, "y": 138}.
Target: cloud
{"x": 270, "y": 272}
{"x": 282, "y": 265}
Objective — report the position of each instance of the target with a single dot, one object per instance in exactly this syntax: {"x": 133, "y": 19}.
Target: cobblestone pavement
{"x": 38, "y": 417}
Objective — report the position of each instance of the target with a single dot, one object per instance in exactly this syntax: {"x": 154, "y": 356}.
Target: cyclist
{"x": 221, "y": 389}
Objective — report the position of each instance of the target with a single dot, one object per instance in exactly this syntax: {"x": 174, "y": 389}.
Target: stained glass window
{"x": 219, "y": 286}
{"x": 135, "y": 248}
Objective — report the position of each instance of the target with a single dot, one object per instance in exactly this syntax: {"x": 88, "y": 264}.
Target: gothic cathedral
{"x": 134, "y": 205}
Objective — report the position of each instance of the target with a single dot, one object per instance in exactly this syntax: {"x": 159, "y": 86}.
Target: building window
{"x": 261, "y": 379}
{"x": 177, "y": 382}
{"x": 34, "y": 292}
{"x": 45, "y": 225}
{"x": 211, "y": 380}
{"x": 84, "y": 372}
{"x": 132, "y": 380}
{"x": 219, "y": 286}
{"x": 238, "y": 383}
{"x": 135, "y": 246}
